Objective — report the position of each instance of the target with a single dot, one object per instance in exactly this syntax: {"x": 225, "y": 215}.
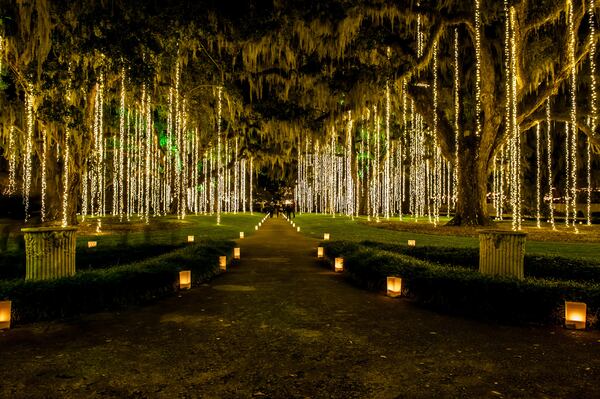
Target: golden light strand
{"x": 219, "y": 176}
{"x": 477, "y": 67}
{"x": 573, "y": 114}
{"x": 122, "y": 145}
{"x": 251, "y": 204}
{"x": 567, "y": 174}
{"x": 593, "y": 105}
{"x": 537, "y": 175}
{"x": 43, "y": 167}
{"x": 28, "y": 149}
{"x": 456, "y": 177}
{"x": 515, "y": 151}
{"x": 12, "y": 163}
{"x": 436, "y": 150}
{"x": 148, "y": 125}
{"x": 349, "y": 186}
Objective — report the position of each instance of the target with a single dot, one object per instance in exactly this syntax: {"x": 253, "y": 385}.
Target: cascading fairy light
{"x": 227, "y": 178}
{"x": 12, "y": 163}
{"x": 537, "y": 175}
{"x": 376, "y": 166}
{"x": 495, "y": 185}
{"x": 99, "y": 152}
{"x": 184, "y": 160}
{"x": 512, "y": 127}
{"x": 404, "y": 140}
{"x": 455, "y": 175}
{"x": 251, "y": 203}
{"x": 43, "y": 167}
{"x": 477, "y": 68}
{"x": 129, "y": 171}
{"x": 436, "y": 150}
{"x": 517, "y": 216}
{"x": 243, "y": 184}
{"x": 84, "y": 192}
{"x": 121, "y": 183}
{"x": 567, "y": 174}
{"x": 148, "y": 125}
{"x": 236, "y": 194}
{"x": 573, "y": 113}
{"x": 501, "y": 179}
{"x": 28, "y": 149}
{"x": 349, "y": 185}
{"x": 386, "y": 185}
{"x": 219, "y": 177}
{"x": 178, "y": 155}
{"x": 593, "y": 105}
{"x": 1, "y": 52}
{"x": 211, "y": 190}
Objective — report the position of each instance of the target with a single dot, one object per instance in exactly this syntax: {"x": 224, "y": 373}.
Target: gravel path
{"x": 277, "y": 325}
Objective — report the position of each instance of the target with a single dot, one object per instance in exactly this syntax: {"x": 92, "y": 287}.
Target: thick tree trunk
{"x": 471, "y": 204}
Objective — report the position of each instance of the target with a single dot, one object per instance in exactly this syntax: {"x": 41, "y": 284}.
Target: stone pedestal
{"x": 50, "y": 252}
{"x": 502, "y": 252}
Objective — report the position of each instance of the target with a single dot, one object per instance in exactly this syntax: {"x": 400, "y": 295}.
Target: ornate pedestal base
{"x": 502, "y": 252}
{"x": 50, "y": 252}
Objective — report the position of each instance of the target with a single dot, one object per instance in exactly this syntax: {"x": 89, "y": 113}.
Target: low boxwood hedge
{"x": 112, "y": 288}
{"x": 12, "y": 264}
{"x": 462, "y": 290}
{"x": 537, "y": 266}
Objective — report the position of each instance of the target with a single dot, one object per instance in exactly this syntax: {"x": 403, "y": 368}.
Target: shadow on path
{"x": 277, "y": 325}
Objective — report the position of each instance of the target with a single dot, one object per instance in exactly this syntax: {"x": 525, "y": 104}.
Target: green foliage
{"x": 536, "y": 266}
{"x": 113, "y": 288}
{"x": 461, "y": 290}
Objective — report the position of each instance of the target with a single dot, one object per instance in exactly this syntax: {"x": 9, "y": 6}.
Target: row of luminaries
{"x": 575, "y": 312}
{"x": 185, "y": 277}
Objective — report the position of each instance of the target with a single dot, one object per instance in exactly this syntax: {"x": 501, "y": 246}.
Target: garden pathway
{"x": 278, "y": 325}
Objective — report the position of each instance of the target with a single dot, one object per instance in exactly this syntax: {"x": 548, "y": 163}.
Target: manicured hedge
{"x": 537, "y": 266}
{"x": 465, "y": 291}
{"x": 12, "y": 264}
{"x": 113, "y": 288}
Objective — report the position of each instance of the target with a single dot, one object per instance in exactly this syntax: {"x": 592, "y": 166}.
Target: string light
{"x": 219, "y": 176}
{"x": 567, "y": 174}
{"x": 122, "y": 144}
{"x": 455, "y": 177}
{"x": 43, "y": 167}
{"x": 511, "y": 119}
{"x": 1, "y": 52}
{"x": 537, "y": 175}
{"x": 573, "y": 114}
{"x": 84, "y": 192}
{"x": 66, "y": 171}
{"x": 593, "y": 105}
{"x": 386, "y": 185}
{"x": 148, "y": 114}
{"x": 349, "y": 185}
{"x": 477, "y": 67}
{"x": 251, "y": 204}
{"x": 28, "y": 149}
{"x": 437, "y": 156}
{"x": 12, "y": 163}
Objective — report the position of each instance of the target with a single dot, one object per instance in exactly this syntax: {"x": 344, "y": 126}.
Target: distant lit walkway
{"x": 278, "y": 325}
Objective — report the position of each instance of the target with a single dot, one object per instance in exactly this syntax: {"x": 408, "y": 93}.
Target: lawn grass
{"x": 170, "y": 230}
{"x": 344, "y": 228}
{"x": 120, "y": 243}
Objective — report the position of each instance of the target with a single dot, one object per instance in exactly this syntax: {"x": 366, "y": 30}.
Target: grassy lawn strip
{"x": 112, "y": 288}
{"x": 344, "y": 228}
{"x": 461, "y": 290}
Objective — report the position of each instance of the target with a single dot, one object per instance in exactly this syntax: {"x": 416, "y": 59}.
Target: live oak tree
{"x": 289, "y": 70}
